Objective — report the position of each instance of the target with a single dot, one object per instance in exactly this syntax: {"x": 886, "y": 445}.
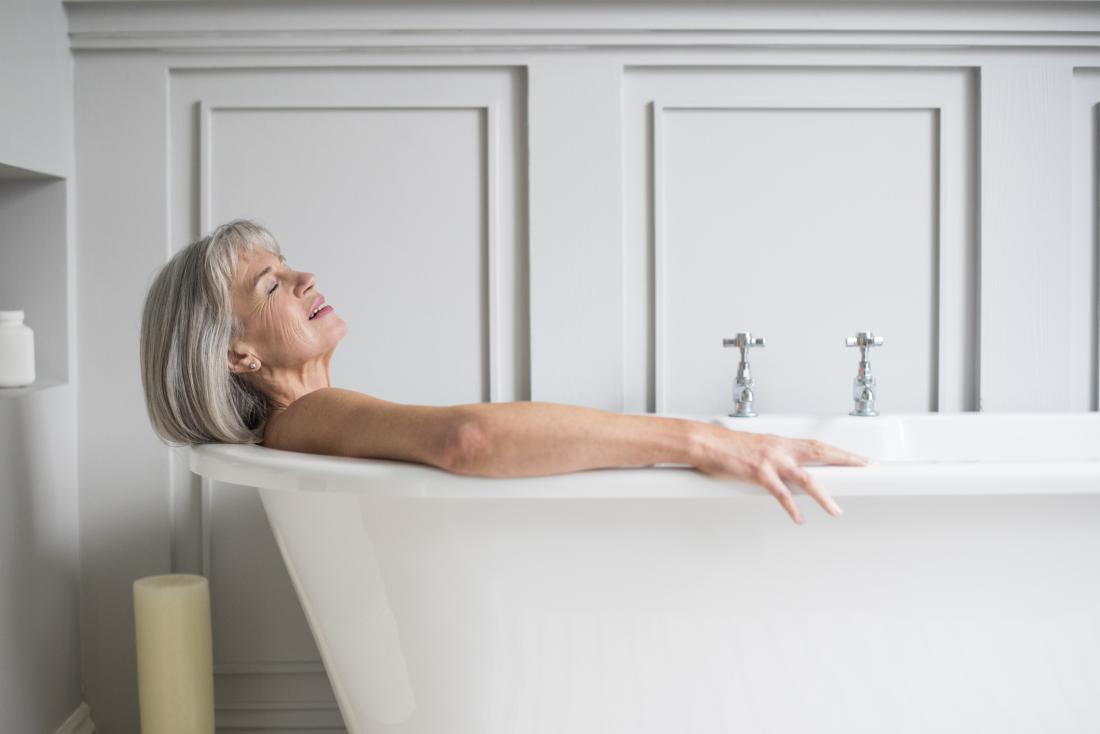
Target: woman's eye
{"x": 273, "y": 288}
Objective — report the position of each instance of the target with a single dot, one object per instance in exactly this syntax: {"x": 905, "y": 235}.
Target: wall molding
{"x": 573, "y": 40}
{"x": 238, "y": 25}
{"x": 79, "y": 722}
{"x": 1086, "y": 217}
{"x": 261, "y": 715}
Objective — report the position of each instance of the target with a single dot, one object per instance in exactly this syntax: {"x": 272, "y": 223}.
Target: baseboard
{"x": 80, "y": 722}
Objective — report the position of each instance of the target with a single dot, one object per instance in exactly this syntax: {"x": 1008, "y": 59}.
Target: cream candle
{"x": 174, "y": 654}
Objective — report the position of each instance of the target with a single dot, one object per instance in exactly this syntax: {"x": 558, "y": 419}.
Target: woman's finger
{"x": 804, "y": 479}
{"x": 770, "y": 479}
{"x": 823, "y": 453}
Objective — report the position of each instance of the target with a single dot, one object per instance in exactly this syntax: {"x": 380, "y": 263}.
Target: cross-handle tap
{"x": 742, "y": 387}
{"x": 864, "y": 389}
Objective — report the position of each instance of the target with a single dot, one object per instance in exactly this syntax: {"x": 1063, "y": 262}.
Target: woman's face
{"x": 274, "y": 302}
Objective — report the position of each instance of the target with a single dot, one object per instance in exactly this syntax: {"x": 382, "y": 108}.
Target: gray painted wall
{"x": 39, "y": 529}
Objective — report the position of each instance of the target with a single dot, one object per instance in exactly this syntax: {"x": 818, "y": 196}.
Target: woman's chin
{"x": 341, "y": 329}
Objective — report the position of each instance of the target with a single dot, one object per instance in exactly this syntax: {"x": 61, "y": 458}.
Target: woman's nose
{"x": 305, "y": 282}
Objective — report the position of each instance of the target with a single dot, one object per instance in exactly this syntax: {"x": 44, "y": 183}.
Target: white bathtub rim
{"x": 258, "y": 466}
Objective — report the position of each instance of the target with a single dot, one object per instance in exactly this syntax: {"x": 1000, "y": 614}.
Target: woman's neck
{"x": 284, "y": 385}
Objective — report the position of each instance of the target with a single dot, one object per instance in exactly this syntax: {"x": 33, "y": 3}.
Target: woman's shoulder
{"x": 341, "y": 422}
{"x": 271, "y": 437}
{"x": 297, "y": 426}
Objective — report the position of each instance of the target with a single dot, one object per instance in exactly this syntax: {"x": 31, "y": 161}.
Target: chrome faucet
{"x": 863, "y": 386}
{"x": 742, "y": 387}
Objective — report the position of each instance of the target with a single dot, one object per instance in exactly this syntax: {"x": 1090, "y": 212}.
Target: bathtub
{"x": 959, "y": 592}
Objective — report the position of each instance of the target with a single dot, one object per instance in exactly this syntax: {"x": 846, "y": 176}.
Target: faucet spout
{"x": 742, "y": 386}
{"x": 864, "y": 389}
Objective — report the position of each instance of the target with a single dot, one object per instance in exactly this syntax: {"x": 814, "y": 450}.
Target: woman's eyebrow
{"x": 264, "y": 272}
{"x": 261, "y": 274}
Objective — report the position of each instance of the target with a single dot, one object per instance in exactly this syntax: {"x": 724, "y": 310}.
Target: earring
{"x": 253, "y": 366}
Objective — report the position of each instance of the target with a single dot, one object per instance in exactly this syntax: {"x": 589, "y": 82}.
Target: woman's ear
{"x": 242, "y": 362}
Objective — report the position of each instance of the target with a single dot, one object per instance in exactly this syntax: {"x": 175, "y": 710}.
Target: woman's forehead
{"x": 251, "y": 262}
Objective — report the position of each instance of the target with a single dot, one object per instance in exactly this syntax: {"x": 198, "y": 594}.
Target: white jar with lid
{"x": 16, "y": 350}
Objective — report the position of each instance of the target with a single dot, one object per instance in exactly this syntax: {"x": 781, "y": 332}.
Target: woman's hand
{"x": 767, "y": 460}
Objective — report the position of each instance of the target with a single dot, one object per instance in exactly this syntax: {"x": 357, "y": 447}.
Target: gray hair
{"x": 187, "y": 327}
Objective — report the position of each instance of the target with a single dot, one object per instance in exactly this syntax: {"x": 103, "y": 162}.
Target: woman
{"x": 236, "y": 345}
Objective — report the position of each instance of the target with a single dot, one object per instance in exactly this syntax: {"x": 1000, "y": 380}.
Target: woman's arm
{"x": 487, "y": 439}
{"x": 524, "y": 439}
{"x": 533, "y": 438}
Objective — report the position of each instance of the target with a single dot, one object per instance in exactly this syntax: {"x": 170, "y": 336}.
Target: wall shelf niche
{"x": 34, "y": 270}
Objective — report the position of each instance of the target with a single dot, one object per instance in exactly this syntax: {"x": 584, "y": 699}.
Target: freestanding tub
{"x": 959, "y": 592}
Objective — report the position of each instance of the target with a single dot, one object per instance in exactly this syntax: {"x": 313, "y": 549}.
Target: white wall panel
{"x": 399, "y": 188}
{"x": 802, "y": 205}
{"x": 389, "y": 206}
{"x": 576, "y": 231}
{"x": 1027, "y": 273}
{"x": 126, "y": 517}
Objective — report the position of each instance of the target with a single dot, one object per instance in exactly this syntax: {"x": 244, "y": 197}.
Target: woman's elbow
{"x": 466, "y": 447}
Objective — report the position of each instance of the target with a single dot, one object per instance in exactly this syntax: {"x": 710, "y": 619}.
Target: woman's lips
{"x": 326, "y": 309}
